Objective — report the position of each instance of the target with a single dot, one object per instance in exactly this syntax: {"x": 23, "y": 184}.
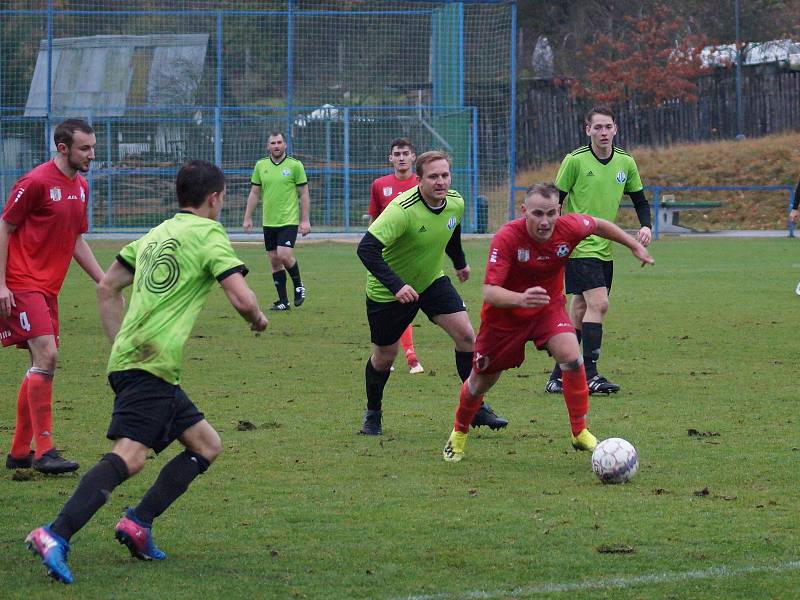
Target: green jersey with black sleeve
{"x": 414, "y": 238}
{"x": 595, "y": 187}
{"x": 278, "y": 182}
{"x": 175, "y": 266}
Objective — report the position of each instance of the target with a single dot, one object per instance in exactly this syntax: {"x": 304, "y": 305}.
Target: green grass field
{"x": 302, "y": 507}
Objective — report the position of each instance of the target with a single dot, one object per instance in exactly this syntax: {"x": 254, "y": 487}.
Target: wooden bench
{"x": 669, "y": 214}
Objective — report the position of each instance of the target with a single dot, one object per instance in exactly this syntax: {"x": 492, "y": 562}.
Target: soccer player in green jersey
{"x": 173, "y": 269}
{"x": 403, "y": 251}
{"x": 279, "y": 180}
{"x": 592, "y": 180}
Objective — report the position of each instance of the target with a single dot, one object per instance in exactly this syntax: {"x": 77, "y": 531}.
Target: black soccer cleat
{"x": 19, "y": 463}
{"x": 372, "y": 423}
{"x": 280, "y": 306}
{"x": 52, "y": 463}
{"x": 600, "y": 385}
{"x": 486, "y": 416}
{"x": 554, "y": 386}
{"x": 299, "y": 295}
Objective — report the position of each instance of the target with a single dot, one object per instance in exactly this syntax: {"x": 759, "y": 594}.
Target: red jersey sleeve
{"x": 85, "y": 220}
{"x": 579, "y": 225}
{"x": 374, "y": 201}
{"x": 499, "y": 262}
{"x": 25, "y": 197}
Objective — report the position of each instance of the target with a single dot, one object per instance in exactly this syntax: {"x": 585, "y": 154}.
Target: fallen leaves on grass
{"x": 615, "y": 549}
{"x": 697, "y": 433}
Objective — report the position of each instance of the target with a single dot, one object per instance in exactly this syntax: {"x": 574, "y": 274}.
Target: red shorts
{"x": 34, "y": 315}
{"x": 500, "y": 349}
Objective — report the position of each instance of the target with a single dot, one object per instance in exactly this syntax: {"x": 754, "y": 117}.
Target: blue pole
{"x": 218, "y": 97}
{"x": 346, "y": 186}
{"x": 474, "y": 168}
{"x": 791, "y": 204}
{"x": 289, "y": 69}
{"x": 512, "y": 125}
{"x": 109, "y": 197}
{"x": 49, "y": 87}
{"x": 657, "y": 210}
{"x": 328, "y": 180}
{"x": 461, "y": 54}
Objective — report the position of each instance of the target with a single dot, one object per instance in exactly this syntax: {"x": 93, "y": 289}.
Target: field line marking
{"x": 614, "y": 582}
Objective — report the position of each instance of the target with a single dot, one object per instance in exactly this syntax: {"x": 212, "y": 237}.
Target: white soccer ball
{"x": 615, "y": 461}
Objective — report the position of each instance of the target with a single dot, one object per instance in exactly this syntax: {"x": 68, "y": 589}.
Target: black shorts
{"x": 388, "y": 320}
{"x": 285, "y": 236}
{"x": 583, "y": 274}
{"x": 149, "y": 410}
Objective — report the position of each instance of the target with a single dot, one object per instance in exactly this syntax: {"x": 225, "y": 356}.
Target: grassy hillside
{"x": 771, "y": 160}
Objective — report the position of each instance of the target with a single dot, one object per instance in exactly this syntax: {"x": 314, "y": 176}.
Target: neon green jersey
{"x": 414, "y": 236}
{"x": 596, "y": 189}
{"x": 278, "y": 182}
{"x": 175, "y": 265}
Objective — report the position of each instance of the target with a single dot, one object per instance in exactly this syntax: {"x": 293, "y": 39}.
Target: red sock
{"x": 407, "y": 341}
{"x": 23, "y": 430}
{"x": 40, "y": 400}
{"x": 468, "y": 405}
{"x": 576, "y": 396}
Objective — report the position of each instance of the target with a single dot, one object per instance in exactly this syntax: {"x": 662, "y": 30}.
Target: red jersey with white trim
{"x": 518, "y": 262}
{"x": 49, "y": 211}
{"x": 385, "y": 189}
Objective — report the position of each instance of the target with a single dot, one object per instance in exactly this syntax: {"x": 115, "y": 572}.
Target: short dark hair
{"x": 401, "y": 143}
{"x": 600, "y": 109}
{"x": 275, "y": 133}
{"x": 546, "y": 189}
{"x": 65, "y": 130}
{"x": 196, "y": 180}
{"x": 430, "y": 156}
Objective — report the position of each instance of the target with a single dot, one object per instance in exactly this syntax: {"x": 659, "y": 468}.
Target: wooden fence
{"x": 550, "y": 123}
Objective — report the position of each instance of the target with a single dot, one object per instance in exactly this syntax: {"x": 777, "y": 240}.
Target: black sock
{"x": 592, "y": 340}
{"x": 279, "y": 278}
{"x": 92, "y": 492}
{"x": 294, "y": 271}
{"x": 172, "y": 481}
{"x": 464, "y": 364}
{"x": 556, "y": 374}
{"x": 376, "y": 381}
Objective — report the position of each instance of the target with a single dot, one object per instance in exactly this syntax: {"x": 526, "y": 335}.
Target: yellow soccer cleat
{"x": 454, "y": 450}
{"x": 584, "y": 441}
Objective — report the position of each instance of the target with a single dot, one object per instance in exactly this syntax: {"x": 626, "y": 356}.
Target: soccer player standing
{"x": 793, "y": 216}
{"x": 403, "y": 250}
{"x": 40, "y": 232}
{"x": 384, "y": 190}
{"x": 592, "y": 180}
{"x": 173, "y": 269}
{"x": 278, "y": 180}
{"x": 524, "y": 301}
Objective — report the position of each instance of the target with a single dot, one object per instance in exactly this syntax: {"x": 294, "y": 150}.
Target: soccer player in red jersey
{"x": 524, "y": 301}
{"x": 384, "y": 190}
{"x": 40, "y": 232}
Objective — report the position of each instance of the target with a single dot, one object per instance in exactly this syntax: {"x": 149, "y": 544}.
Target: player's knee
{"x": 212, "y": 447}
{"x": 599, "y": 306}
{"x": 134, "y": 462}
{"x": 571, "y": 364}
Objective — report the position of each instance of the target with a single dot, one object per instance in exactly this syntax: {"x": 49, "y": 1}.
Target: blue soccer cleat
{"x": 53, "y": 551}
{"x": 138, "y": 538}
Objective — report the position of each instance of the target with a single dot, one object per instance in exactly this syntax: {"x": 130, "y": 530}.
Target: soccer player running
{"x": 40, "y": 232}
{"x": 384, "y": 190}
{"x": 592, "y": 180}
{"x": 403, "y": 251}
{"x": 173, "y": 269}
{"x": 279, "y": 180}
{"x": 524, "y": 301}
{"x": 793, "y": 216}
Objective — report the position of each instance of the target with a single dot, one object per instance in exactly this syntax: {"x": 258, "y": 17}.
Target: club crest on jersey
{"x": 523, "y": 254}
{"x": 451, "y": 223}
{"x": 387, "y": 191}
{"x": 287, "y": 172}
{"x": 55, "y": 194}
{"x": 621, "y": 177}
{"x": 562, "y": 250}
{"x": 83, "y": 195}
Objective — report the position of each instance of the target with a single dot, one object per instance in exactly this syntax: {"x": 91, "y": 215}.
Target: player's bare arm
{"x": 501, "y": 297}
{"x": 84, "y": 256}
{"x": 305, "y": 210}
{"x": 610, "y": 231}
{"x": 252, "y": 200}
{"x": 244, "y": 300}
{"x": 6, "y": 296}
{"x": 110, "y": 300}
